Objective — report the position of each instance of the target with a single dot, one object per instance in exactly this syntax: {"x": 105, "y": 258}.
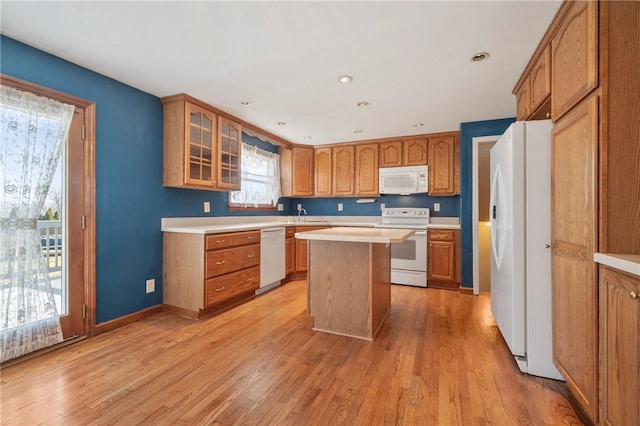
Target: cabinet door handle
{"x": 219, "y": 289}
{"x": 220, "y": 262}
{"x": 547, "y": 246}
{"x": 220, "y": 241}
{"x": 251, "y": 279}
{"x": 633, "y": 295}
{"x": 251, "y": 255}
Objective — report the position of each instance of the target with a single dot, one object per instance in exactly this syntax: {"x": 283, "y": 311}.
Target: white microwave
{"x": 404, "y": 180}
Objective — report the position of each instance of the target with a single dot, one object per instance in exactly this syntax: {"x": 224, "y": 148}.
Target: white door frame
{"x": 474, "y": 211}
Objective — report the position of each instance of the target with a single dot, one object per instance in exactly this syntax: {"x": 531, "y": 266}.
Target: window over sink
{"x": 260, "y": 174}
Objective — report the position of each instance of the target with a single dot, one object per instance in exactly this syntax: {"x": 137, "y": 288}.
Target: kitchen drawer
{"x": 218, "y": 241}
{"x": 223, "y": 261}
{"x": 442, "y": 235}
{"x": 290, "y": 231}
{"x": 222, "y": 288}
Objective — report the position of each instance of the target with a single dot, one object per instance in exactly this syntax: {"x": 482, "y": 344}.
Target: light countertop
{"x": 216, "y": 225}
{"x": 629, "y": 263}
{"x": 357, "y": 235}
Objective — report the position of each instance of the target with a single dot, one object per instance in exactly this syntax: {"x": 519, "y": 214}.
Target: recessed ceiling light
{"x": 307, "y": 137}
{"x": 480, "y": 56}
{"x": 245, "y": 103}
{"x": 363, "y": 104}
{"x": 345, "y": 79}
{"x": 357, "y": 131}
{"x": 282, "y": 123}
{"x": 419, "y": 124}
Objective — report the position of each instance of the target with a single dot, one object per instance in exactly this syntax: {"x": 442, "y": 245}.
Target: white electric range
{"x": 409, "y": 258}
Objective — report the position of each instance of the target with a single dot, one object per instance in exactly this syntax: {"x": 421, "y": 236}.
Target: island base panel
{"x": 349, "y": 287}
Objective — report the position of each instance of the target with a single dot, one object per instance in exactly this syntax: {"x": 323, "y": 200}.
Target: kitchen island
{"x": 349, "y": 278}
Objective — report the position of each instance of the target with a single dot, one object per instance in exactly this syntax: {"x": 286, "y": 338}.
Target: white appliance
{"x": 403, "y": 180}
{"x": 408, "y": 258}
{"x": 520, "y": 219}
{"x": 272, "y": 259}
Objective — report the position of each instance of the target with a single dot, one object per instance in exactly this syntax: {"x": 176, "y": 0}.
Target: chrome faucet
{"x": 300, "y": 211}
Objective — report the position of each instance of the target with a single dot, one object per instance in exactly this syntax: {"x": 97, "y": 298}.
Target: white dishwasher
{"x": 272, "y": 264}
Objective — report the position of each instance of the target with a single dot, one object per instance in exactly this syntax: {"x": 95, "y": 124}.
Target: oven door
{"x": 410, "y": 254}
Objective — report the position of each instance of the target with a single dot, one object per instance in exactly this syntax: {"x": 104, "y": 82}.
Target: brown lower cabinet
{"x": 620, "y": 347}
{"x": 301, "y": 248}
{"x": 204, "y": 273}
{"x": 443, "y": 258}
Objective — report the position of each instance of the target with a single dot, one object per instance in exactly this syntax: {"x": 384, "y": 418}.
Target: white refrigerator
{"x": 520, "y": 220}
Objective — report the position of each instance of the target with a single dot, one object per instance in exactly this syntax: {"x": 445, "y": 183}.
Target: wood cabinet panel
{"x": 540, "y": 80}
{"x": 414, "y": 152}
{"x": 323, "y": 171}
{"x": 441, "y": 161}
{"x": 220, "y": 289}
{"x": 302, "y": 247}
{"x": 367, "y": 169}
{"x": 218, "y": 241}
{"x": 343, "y": 170}
{"x": 574, "y": 150}
{"x": 390, "y": 154}
{"x": 620, "y": 337}
{"x": 443, "y": 258}
{"x": 302, "y": 171}
{"x": 574, "y": 57}
{"x": 523, "y": 100}
{"x": 289, "y": 255}
{"x": 219, "y": 262}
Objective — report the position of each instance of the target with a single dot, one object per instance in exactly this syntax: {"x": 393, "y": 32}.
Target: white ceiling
{"x": 409, "y": 60}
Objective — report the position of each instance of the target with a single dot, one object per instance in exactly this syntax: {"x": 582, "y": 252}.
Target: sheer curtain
{"x": 260, "y": 178}
{"x": 33, "y": 131}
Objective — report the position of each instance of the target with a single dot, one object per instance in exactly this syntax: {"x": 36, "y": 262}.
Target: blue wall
{"x": 449, "y": 206}
{"x": 468, "y": 131}
{"x": 130, "y": 198}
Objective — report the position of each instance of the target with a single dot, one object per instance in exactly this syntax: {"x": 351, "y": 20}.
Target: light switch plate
{"x": 299, "y": 207}
{"x": 280, "y": 207}
{"x": 207, "y": 207}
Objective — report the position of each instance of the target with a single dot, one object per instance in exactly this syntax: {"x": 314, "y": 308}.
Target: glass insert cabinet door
{"x": 229, "y": 147}
{"x": 200, "y": 147}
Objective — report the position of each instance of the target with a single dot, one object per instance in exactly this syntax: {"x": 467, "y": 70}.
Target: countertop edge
{"x": 345, "y": 236}
{"x": 629, "y": 263}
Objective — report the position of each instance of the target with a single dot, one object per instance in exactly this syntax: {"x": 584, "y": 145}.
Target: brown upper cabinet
{"x": 297, "y": 171}
{"x": 443, "y": 164}
{"x": 574, "y": 57}
{"x": 367, "y": 169}
{"x": 408, "y": 152}
{"x": 343, "y": 170}
{"x": 533, "y": 93}
{"x": 324, "y": 171}
{"x": 201, "y": 149}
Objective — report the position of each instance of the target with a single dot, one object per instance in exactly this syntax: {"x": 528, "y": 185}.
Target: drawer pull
{"x": 633, "y": 295}
{"x": 219, "y": 289}
{"x": 251, "y": 255}
{"x": 253, "y": 237}
{"x": 220, "y": 241}
{"x": 251, "y": 279}
{"x": 220, "y": 262}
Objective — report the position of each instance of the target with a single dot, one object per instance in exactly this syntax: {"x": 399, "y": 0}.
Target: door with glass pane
{"x": 229, "y": 146}
{"x": 200, "y": 148}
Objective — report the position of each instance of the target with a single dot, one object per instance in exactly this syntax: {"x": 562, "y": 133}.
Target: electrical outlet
{"x": 382, "y": 206}
{"x": 340, "y": 207}
{"x": 280, "y": 207}
{"x": 299, "y": 207}
{"x": 151, "y": 285}
{"x": 207, "y": 207}
{"x": 436, "y": 207}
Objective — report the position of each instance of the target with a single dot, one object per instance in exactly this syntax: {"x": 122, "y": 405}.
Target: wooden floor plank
{"x": 438, "y": 359}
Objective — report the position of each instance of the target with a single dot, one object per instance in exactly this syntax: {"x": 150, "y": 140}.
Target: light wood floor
{"x": 438, "y": 360}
